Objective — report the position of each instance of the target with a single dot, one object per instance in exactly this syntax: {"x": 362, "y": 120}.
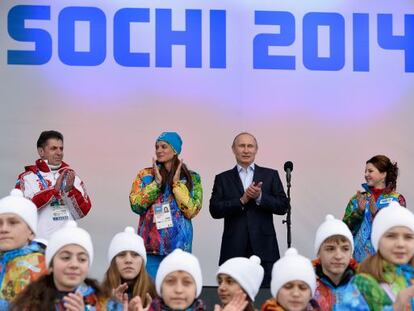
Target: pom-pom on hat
{"x": 292, "y": 267}
{"x": 15, "y": 203}
{"x": 330, "y": 227}
{"x": 246, "y": 271}
{"x": 70, "y": 233}
{"x": 127, "y": 240}
{"x": 394, "y": 215}
{"x": 179, "y": 260}
{"x": 173, "y": 139}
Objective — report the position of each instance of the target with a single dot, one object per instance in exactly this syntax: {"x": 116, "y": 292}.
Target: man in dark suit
{"x": 246, "y": 197}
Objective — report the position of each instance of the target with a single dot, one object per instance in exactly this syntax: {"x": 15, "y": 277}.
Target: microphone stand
{"x": 288, "y": 221}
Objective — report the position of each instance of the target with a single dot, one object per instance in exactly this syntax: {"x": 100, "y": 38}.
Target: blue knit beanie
{"x": 173, "y": 139}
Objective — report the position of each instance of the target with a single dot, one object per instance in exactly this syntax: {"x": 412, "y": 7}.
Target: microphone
{"x": 288, "y": 167}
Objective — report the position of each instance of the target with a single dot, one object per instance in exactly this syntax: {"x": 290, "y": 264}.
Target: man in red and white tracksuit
{"x": 53, "y": 186}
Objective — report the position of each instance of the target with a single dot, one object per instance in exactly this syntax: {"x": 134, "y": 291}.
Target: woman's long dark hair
{"x": 167, "y": 176}
{"x": 41, "y": 295}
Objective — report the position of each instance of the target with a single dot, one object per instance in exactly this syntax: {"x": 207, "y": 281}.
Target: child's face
{"x": 335, "y": 256}
{"x": 14, "y": 232}
{"x": 294, "y": 296}
{"x": 70, "y": 266}
{"x": 227, "y": 288}
{"x": 397, "y": 245}
{"x": 129, "y": 264}
{"x": 178, "y": 290}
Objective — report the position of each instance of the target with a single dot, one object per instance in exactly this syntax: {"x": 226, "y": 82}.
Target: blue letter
{"x": 387, "y": 41}
{"x": 42, "y": 39}
{"x": 122, "y": 35}
{"x": 336, "y": 59}
{"x": 361, "y": 42}
{"x": 217, "y": 39}
{"x": 166, "y": 38}
{"x": 262, "y": 42}
{"x": 97, "y": 30}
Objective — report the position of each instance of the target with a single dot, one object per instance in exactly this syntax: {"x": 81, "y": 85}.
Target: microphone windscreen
{"x": 288, "y": 166}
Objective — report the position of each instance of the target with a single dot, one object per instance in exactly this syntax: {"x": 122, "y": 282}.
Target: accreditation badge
{"x": 162, "y": 216}
{"x": 59, "y": 211}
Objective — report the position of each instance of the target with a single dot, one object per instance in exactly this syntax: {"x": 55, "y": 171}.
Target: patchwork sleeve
{"x": 189, "y": 202}
{"x": 144, "y": 192}
{"x": 353, "y": 216}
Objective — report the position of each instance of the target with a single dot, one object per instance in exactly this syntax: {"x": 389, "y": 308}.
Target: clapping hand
{"x": 118, "y": 293}
{"x": 252, "y": 192}
{"x": 403, "y": 301}
{"x": 361, "y": 199}
{"x": 373, "y": 205}
{"x": 70, "y": 179}
{"x": 73, "y": 302}
{"x": 67, "y": 175}
{"x": 157, "y": 174}
{"x": 136, "y": 303}
{"x": 238, "y": 303}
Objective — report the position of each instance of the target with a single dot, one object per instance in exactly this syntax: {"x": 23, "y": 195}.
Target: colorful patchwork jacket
{"x": 18, "y": 268}
{"x": 331, "y": 297}
{"x": 158, "y": 305}
{"x": 92, "y": 301}
{"x": 360, "y": 223}
{"x": 54, "y": 206}
{"x": 380, "y": 296}
{"x": 184, "y": 205}
{"x": 272, "y": 305}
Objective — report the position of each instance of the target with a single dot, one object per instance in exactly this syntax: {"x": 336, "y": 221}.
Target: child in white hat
{"x": 293, "y": 284}
{"x": 22, "y": 259}
{"x": 126, "y": 273}
{"x": 335, "y": 267}
{"x": 69, "y": 255}
{"x": 239, "y": 276}
{"x": 178, "y": 283}
{"x": 386, "y": 278}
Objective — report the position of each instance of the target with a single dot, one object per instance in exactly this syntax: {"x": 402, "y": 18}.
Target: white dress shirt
{"x": 246, "y": 177}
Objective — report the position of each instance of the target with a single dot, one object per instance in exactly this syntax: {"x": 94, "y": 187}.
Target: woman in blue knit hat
{"x": 166, "y": 196}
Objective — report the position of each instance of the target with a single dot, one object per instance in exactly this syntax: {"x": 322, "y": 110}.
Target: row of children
{"x": 57, "y": 280}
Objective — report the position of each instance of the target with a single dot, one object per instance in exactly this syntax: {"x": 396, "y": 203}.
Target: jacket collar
{"x": 346, "y": 276}
{"x": 42, "y": 166}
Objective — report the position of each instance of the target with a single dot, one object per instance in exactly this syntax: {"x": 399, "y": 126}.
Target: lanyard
{"x": 42, "y": 180}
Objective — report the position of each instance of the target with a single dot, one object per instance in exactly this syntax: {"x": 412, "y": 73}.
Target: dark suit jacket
{"x": 250, "y": 222}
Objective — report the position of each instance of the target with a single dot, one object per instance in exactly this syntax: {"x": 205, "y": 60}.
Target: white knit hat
{"x": 292, "y": 267}
{"x": 246, "y": 271}
{"x": 15, "y": 203}
{"x": 330, "y": 227}
{"x": 394, "y": 215}
{"x": 179, "y": 260}
{"x": 127, "y": 240}
{"x": 70, "y": 233}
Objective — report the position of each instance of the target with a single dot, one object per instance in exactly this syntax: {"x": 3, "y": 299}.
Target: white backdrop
{"x": 327, "y": 122}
